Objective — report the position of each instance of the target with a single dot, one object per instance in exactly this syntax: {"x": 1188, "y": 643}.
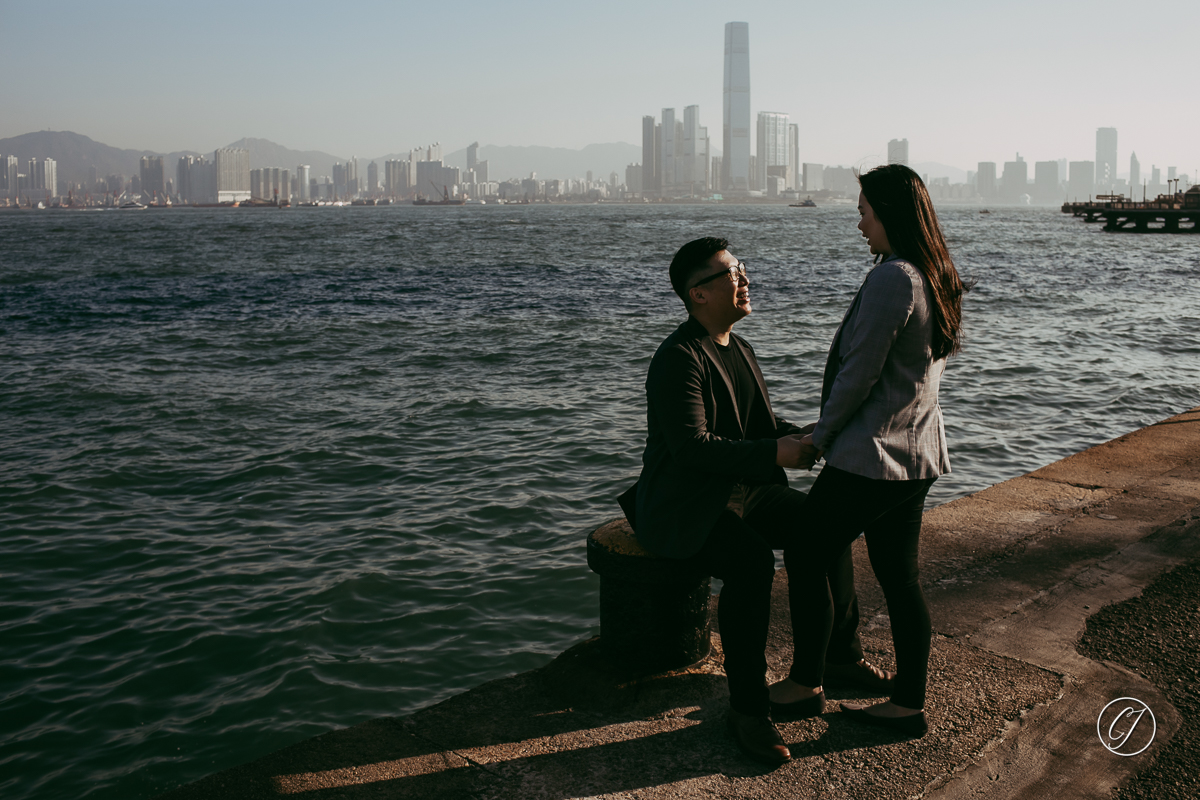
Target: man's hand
{"x": 796, "y": 452}
{"x": 809, "y": 428}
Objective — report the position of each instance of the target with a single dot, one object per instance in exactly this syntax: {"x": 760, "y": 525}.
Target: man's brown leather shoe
{"x": 860, "y": 675}
{"x": 757, "y": 738}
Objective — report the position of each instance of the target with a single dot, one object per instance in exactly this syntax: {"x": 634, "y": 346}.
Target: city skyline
{"x": 539, "y": 74}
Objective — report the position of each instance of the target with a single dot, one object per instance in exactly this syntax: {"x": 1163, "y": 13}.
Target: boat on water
{"x": 131, "y": 205}
{"x": 806, "y": 203}
{"x": 446, "y": 200}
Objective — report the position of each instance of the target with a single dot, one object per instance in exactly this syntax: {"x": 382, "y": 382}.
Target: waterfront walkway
{"x": 1012, "y": 574}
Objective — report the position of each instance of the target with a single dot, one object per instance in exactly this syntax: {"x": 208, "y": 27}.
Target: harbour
{"x": 268, "y": 476}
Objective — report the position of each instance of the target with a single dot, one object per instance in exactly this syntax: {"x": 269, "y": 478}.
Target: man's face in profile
{"x": 726, "y": 288}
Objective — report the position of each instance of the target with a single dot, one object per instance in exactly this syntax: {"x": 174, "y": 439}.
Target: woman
{"x": 884, "y": 445}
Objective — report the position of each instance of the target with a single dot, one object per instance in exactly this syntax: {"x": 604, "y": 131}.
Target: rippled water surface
{"x": 264, "y": 474}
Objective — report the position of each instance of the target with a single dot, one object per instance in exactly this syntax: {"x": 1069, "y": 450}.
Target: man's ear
{"x": 697, "y": 296}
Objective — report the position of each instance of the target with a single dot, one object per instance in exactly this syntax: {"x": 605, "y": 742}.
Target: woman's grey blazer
{"x": 880, "y": 416}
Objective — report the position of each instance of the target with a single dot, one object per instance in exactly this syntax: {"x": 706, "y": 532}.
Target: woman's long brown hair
{"x": 901, "y": 203}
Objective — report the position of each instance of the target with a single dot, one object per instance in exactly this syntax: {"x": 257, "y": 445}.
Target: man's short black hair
{"x": 692, "y": 258}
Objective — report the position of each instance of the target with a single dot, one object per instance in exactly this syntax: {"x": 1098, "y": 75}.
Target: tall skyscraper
{"x": 649, "y": 169}
{"x": 691, "y": 165}
{"x": 735, "y": 158}
{"x": 231, "y": 167}
{"x": 1045, "y": 182}
{"x": 985, "y": 179}
{"x": 898, "y": 151}
{"x": 12, "y": 168}
{"x": 633, "y": 178}
{"x": 666, "y": 167}
{"x": 194, "y": 180}
{"x": 302, "y": 178}
{"x": 43, "y": 178}
{"x": 1135, "y": 175}
{"x": 812, "y": 177}
{"x": 373, "y": 178}
{"x": 1015, "y": 180}
{"x": 771, "y": 158}
{"x": 472, "y": 155}
{"x": 1081, "y": 180}
{"x": 395, "y": 177}
{"x": 1106, "y": 159}
{"x": 794, "y": 157}
{"x": 154, "y": 181}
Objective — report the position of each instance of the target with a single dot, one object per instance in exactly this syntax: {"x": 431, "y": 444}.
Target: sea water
{"x": 268, "y": 473}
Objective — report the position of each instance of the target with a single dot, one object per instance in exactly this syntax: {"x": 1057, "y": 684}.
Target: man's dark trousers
{"x": 740, "y": 552}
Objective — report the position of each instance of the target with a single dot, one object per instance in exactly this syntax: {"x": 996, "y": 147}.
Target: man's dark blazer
{"x": 697, "y": 445}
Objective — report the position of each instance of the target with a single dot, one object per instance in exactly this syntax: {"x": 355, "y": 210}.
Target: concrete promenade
{"x": 1011, "y": 573}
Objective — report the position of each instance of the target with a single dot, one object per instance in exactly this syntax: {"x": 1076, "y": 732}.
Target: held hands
{"x": 796, "y": 452}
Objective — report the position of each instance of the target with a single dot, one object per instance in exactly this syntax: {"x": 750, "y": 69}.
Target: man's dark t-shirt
{"x": 744, "y": 385}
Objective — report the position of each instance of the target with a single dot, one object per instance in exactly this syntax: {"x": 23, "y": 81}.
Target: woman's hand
{"x": 796, "y": 452}
{"x": 807, "y": 441}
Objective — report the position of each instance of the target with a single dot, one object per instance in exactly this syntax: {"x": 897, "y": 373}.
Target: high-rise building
{"x": 1106, "y": 159}
{"x": 1135, "y": 175}
{"x": 691, "y": 163}
{"x": 12, "y": 168}
{"x": 231, "y": 168}
{"x": 898, "y": 151}
{"x": 481, "y": 171}
{"x": 42, "y": 178}
{"x": 771, "y": 158}
{"x": 302, "y": 179}
{"x": 372, "y": 178}
{"x": 195, "y": 181}
{"x": 985, "y": 179}
{"x": 794, "y": 156}
{"x": 154, "y": 181}
{"x": 1081, "y": 180}
{"x": 842, "y": 180}
{"x": 649, "y": 168}
{"x": 633, "y": 178}
{"x": 735, "y": 156}
{"x": 472, "y": 155}
{"x": 812, "y": 177}
{"x": 395, "y": 177}
{"x": 1045, "y": 182}
{"x": 666, "y": 166}
{"x": 1015, "y": 180}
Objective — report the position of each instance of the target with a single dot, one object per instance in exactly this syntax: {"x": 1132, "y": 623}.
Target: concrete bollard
{"x": 653, "y": 611}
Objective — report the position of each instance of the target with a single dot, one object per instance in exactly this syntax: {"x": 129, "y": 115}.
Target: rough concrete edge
{"x": 1002, "y": 754}
{"x": 1006, "y": 737}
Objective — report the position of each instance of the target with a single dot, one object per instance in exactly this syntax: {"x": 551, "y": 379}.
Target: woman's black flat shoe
{"x": 913, "y": 726}
{"x": 808, "y": 707}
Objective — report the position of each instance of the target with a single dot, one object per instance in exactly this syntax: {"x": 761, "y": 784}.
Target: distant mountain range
{"x": 77, "y": 154}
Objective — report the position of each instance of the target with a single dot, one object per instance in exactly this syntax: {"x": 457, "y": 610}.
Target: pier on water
{"x": 1167, "y": 213}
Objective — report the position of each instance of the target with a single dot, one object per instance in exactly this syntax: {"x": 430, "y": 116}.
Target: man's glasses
{"x": 734, "y": 273}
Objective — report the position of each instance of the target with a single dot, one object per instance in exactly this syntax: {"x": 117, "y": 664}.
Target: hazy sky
{"x": 963, "y": 81}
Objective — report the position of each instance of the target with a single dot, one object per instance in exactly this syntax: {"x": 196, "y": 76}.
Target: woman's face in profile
{"x": 872, "y": 228}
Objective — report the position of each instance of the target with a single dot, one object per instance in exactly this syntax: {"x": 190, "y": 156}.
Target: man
{"x": 713, "y": 490}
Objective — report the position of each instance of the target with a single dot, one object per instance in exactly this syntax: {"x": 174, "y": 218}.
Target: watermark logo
{"x": 1126, "y": 726}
